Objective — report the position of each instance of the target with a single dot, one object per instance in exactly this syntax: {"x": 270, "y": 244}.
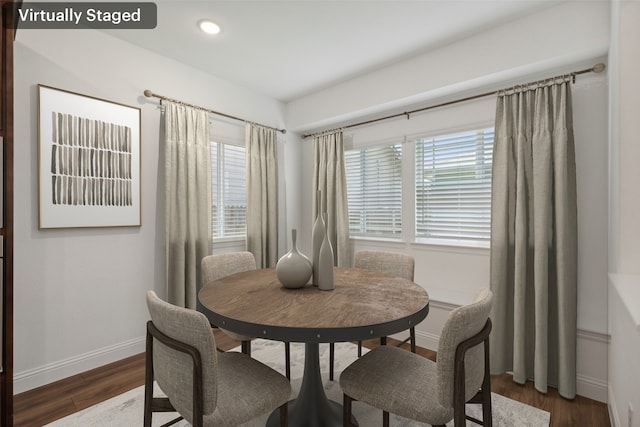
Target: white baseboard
{"x": 427, "y": 340}
{"x": 32, "y": 378}
{"x": 613, "y": 412}
{"x": 593, "y": 388}
{"x": 592, "y": 376}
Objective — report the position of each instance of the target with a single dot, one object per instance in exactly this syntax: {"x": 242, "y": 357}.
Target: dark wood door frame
{"x": 7, "y": 35}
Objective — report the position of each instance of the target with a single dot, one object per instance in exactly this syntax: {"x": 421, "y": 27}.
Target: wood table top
{"x": 363, "y": 305}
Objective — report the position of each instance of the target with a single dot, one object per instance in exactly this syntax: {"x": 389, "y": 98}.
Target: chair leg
{"x": 287, "y": 360}
{"x": 284, "y": 415}
{"x": 459, "y": 415}
{"x": 246, "y": 347}
{"x": 359, "y": 348}
{"x": 346, "y": 411}
{"x": 332, "y": 351}
{"x": 487, "y": 416}
{"x": 412, "y": 332}
{"x": 383, "y": 340}
{"x": 385, "y": 419}
{"x": 148, "y": 381}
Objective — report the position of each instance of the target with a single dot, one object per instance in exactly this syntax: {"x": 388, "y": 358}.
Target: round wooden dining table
{"x": 363, "y": 305}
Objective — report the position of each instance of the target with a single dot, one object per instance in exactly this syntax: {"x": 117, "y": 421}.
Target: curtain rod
{"x": 598, "y": 68}
{"x": 150, "y": 94}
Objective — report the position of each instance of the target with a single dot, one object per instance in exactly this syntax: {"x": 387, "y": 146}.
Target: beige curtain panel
{"x": 534, "y": 239}
{"x": 187, "y": 200}
{"x": 330, "y": 178}
{"x": 262, "y": 194}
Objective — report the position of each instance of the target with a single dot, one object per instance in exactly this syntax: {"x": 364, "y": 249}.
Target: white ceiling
{"x": 287, "y": 49}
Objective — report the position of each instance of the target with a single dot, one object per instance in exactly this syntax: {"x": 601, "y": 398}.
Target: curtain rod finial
{"x": 598, "y": 68}
{"x": 148, "y": 93}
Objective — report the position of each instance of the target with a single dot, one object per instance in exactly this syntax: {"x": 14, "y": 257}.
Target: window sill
{"x": 376, "y": 238}
{"x": 451, "y": 243}
{"x": 427, "y": 244}
{"x": 228, "y": 241}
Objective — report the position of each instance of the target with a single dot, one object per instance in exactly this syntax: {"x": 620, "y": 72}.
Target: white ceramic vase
{"x": 317, "y": 236}
{"x": 294, "y": 269}
{"x": 325, "y": 262}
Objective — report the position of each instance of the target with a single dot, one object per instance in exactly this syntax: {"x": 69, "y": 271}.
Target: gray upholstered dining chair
{"x": 204, "y": 386}
{"x": 217, "y": 266}
{"x": 414, "y": 387}
{"x": 393, "y": 264}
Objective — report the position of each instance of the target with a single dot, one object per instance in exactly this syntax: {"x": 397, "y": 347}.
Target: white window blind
{"x": 374, "y": 190}
{"x": 228, "y": 190}
{"x": 453, "y": 186}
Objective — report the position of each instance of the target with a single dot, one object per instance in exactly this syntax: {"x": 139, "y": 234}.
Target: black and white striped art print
{"x": 89, "y": 164}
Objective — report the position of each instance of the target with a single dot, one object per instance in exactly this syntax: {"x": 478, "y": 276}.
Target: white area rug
{"x": 126, "y": 410}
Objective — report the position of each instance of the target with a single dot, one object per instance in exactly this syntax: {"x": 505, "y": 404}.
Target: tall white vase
{"x": 317, "y": 236}
{"x": 325, "y": 262}
{"x": 293, "y": 268}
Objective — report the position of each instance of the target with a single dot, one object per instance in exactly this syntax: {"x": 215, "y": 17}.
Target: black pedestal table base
{"x": 311, "y": 408}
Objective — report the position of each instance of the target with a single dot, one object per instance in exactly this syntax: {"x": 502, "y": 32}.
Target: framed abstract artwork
{"x": 88, "y": 161}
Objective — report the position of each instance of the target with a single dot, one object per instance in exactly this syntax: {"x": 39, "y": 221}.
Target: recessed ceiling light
{"x": 208, "y": 26}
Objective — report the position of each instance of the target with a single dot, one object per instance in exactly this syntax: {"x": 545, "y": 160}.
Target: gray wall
{"x": 79, "y": 293}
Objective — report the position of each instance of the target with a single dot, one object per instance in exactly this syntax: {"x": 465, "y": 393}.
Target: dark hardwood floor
{"x": 54, "y": 401}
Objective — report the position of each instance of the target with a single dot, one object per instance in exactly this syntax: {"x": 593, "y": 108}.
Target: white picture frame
{"x": 88, "y": 161}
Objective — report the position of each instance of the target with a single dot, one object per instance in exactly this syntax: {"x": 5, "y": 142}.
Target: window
{"x": 453, "y": 186}
{"x": 228, "y": 191}
{"x": 374, "y": 190}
